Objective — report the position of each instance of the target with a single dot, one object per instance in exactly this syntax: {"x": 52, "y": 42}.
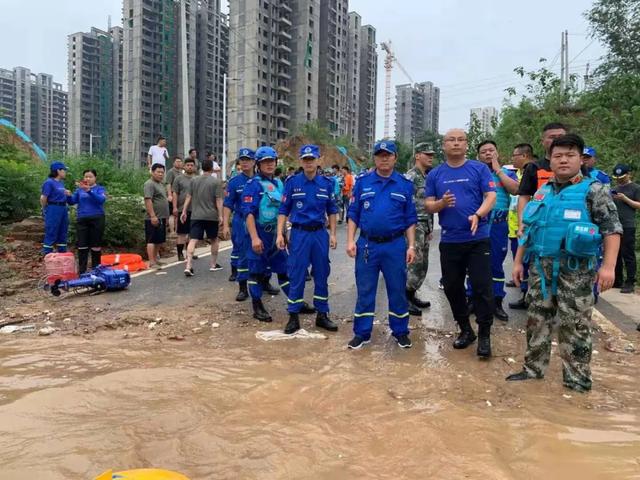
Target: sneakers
{"x": 215, "y": 268}
{"x": 357, "y": 342}
{"x": 627, "y": 288}
{"x": 404, "y": 341}
{"x": 188, "y": 272}
{"x": 519, "y": 305}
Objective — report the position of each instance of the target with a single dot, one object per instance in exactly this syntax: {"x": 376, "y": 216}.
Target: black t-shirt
{"x": 626, "y": 213}
{"x": 529, "y": 182}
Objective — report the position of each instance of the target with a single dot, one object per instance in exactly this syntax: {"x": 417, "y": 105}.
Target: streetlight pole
{"x": 224, "y": 127}
{"x": 91, "y": 137}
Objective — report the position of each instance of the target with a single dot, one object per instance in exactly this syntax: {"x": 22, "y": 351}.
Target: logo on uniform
{"x": 307, "y": 150}
{"x": 539, "y": 197}
{"x": 383, "y": 146}
{"x": 299, "y": 204}
{"x": 618, "y": 171}
{"x": 247, "y": 199}
{"x": 367, "y": 204}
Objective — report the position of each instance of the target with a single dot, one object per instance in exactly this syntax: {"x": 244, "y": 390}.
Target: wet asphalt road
{"x": 169, "y": 287}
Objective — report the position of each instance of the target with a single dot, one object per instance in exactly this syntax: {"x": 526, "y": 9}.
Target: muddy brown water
{"x": 233, "y": 407}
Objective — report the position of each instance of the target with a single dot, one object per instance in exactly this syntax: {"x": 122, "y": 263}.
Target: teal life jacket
{"x": 502, "y": 196}
{"x": 270, "y": 201}
{"x": 558, "y": 226}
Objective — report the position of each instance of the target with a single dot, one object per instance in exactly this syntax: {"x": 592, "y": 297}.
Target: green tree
{"x": 616, "y": 23}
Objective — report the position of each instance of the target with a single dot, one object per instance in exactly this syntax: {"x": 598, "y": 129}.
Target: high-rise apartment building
{"x": 172, "y": 52}
{"x": 37, "y": 105}
{"x": 95, "y": 90}
{"x": 417, "y": 110}
{"x": 486, "y": 116}
{"x": 295, "y": 62}
{"x": 368, "y": 88}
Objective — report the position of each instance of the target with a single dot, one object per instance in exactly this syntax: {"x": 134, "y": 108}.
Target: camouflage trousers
{"x": 573, "y": 306}
{"x": 417, "y": 271}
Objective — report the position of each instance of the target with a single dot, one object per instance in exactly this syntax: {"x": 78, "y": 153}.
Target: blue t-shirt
{"x": 308, "y": 202}
{"x": 91, "y": 203}
{"x": 382, "y": 206}
{"x": 233, "y": 194}
{"x": 54, "y": 191}
{"x": 468, "y": 182}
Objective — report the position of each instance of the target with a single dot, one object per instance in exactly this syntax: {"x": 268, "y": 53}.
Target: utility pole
{"x": 586, "y": 77}
{"x": 564, "y": 60}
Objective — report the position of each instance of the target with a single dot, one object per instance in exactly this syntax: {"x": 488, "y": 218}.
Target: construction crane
{"x": 389, "y": 60}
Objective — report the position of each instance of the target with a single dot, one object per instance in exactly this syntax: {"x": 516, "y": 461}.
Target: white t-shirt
{"x": 158, "y": 155}
{"x": 216, "y": 169}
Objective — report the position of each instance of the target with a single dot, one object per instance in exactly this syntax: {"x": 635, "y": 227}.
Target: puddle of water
{"x": 300, "y": 410}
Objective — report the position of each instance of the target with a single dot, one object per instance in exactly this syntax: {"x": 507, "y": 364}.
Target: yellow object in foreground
{"x": 143, "y": 474}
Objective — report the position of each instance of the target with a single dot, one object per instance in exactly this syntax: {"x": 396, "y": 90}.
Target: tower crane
{"x": 389, "y": 60}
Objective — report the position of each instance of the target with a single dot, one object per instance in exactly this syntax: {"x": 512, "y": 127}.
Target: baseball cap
{"x": 309, "y": 151}
{"x": 424, "y": 148}
{"x": 266, "y": 153}
{"x": 55, "y": 166}
{"x": 620, "y": 170}
{"x": 385, "y": 146}
{"x": 246, "y": 153}
{"x": 589, "y": 151}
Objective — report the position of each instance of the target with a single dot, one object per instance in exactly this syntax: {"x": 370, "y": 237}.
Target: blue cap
{"x": 55, "y": 166}
{"x": 620, "y": 170}
{"x": 246, "y": 153}
{"x": 307, "y": 151}
{"x": 385, "y": 146}
{"x": 589, "y": 151}
{"x": 266, "y": 153}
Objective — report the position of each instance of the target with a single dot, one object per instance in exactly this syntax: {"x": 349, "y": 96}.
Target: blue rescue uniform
{"x": 272, "y": 259}
{"x": 307, "y": 204}
{"x": 56, "y": 216}
{"x": 239, "y": 235}
{"x": 383, "y": 209}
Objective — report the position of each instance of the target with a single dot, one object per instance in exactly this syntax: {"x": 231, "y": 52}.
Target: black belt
{"x": 58, "y": 204}
{"x": 382, "y": 239}
{"x": 423, "y": 220}
{"x": 307, "y": 228}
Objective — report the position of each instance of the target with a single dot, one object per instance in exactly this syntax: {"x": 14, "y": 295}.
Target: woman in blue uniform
{"x": 53, "y": 200}
{"x": 90, "y": 198}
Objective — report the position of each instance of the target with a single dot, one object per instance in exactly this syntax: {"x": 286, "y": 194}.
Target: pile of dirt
{"x": 289, "y": 148}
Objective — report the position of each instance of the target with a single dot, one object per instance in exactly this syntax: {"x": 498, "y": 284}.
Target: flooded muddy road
{"x": 222, "y": 404}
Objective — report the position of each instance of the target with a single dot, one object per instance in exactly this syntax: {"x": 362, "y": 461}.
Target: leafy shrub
{"x": 19, "y": 189}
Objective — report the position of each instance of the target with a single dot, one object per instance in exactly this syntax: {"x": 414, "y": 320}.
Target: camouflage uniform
{"x": 417, "y": 271}
{"x": 573, "y": 304}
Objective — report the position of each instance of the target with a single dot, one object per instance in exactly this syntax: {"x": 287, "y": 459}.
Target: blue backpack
{"x": 270, "y": 201}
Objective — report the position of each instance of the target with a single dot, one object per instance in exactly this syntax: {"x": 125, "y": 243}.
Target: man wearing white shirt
{"x": 158, "y": 153}
{"x": 216, "y": 166}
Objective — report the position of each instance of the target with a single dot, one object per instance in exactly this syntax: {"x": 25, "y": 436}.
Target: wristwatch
{"x": 478, "y": 215}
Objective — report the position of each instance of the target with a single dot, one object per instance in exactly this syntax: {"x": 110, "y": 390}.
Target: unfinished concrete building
{"x": 368, "y": 88}
{"x": 417, "y": 110}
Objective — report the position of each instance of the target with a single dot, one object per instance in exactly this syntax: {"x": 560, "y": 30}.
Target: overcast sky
{"x": 468, "y": 48}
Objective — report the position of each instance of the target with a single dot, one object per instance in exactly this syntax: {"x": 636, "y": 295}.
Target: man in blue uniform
{"x": 261, "y": 199}
{"x": 506, "y": 183}
{"x": 233, "y": 206}
{"x": 53, "y": 200}
{"x": 589, "y": 161}
{"x": 308, "y": 200}
{"x": 382, "y": 207}
{"x": 462, "y": 193}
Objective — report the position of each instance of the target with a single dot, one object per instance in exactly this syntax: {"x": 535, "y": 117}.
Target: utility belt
{"x": 382, "y": 239}
{"x": 307, "y": 228}
{"x": 58, "y": 204}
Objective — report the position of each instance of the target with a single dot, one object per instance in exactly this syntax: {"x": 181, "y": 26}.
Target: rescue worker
{"x": 535, "y": 175}
{"x": 462, "y": 193}
{"x": 417, "y": 271}
{"x": 53, "y": 200}
{"x": 565, "y": 225}
{"x": 307, "y": 202}
{"x": 382, "y": 207}
{"x": 589, "y": 161}
{"x": 233, "y": 206}
{"x": 261, "y": 199}
{"x": 506, "y": 183}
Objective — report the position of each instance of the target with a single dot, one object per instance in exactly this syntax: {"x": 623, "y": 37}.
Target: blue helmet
{"x": 266, "y": 153}
{"x": 246, "y": 153}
